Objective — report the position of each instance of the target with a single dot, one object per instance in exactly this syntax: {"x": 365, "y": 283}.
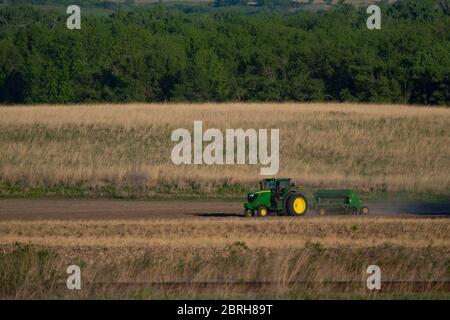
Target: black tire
{"x": 296, "y": 205}
{"x": 364, "y": 211}
{"x": 263, "y": 212}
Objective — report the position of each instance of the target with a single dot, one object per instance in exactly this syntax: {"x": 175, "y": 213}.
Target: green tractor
{"x": 277, "y": 196}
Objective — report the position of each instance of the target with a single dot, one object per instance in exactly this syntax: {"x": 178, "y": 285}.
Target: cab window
{"x": 269, "y": 185}
{"x": 284, "y": 185}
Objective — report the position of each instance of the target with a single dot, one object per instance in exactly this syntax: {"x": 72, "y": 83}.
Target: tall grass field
{"x": 125, "y": 150}
{"x": 227, "y": 258}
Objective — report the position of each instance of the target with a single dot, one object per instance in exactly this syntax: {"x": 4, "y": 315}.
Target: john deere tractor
{"x": 277, "y": 196}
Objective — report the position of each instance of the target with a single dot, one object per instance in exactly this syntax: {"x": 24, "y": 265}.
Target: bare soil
{"x": 21, "y": 209}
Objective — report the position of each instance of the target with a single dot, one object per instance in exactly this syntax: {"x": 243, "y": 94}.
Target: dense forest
{"x": 164, "y": 54}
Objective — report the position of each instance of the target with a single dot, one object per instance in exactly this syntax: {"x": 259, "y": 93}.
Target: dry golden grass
{"x": 276, "y": 233}
{"x": 122, "y": 258}
{"x": 373, "y": 148}
{"x": 370, "y": 147}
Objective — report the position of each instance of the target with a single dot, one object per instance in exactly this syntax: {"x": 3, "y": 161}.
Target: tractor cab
{"x": 277, "y": 188}
{"x": 276, "y": 185}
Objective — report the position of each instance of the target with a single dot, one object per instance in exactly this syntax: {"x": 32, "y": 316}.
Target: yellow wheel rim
{"x": 263, "y": 212}
{"x": 299, "y": 206}
{"x": 365, "y": 211}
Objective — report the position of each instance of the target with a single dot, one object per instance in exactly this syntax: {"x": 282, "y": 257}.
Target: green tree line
{"x": 156, "y": 54}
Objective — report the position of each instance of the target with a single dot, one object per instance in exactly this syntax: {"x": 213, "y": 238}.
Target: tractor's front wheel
{"x": 248, "y": 213}
{"x": 296, "y": 205}
{"x": 262, "y": 211}
{"x": 364, "y": 210}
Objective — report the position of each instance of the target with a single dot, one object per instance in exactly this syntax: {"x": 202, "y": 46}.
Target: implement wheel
{"x": 262, "y": 211}
{"x": 321, "y": 211}
{"x": 296, "y": 205}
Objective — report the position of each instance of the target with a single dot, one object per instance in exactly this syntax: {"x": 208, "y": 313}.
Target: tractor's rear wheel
{"x": 296, "y": 205}
{"x": 263, "y": 211}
